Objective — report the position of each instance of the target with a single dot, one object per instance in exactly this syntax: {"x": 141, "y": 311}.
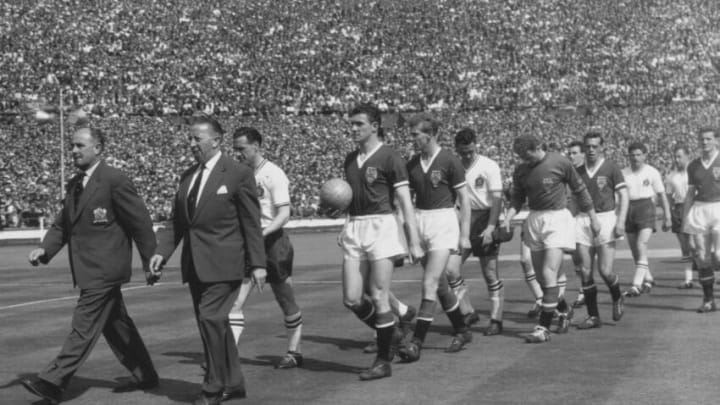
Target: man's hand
{"x": 37, "y": 256}
{"x": 416, "y": 252}
{"x": 464, "y": 245}
{"x": 619, "y": 230}
{"x": 156, "y": 263}
{"x": 258, "y": 278}
{"x": 667, "y": 224}
{"x": 487, "y": 235}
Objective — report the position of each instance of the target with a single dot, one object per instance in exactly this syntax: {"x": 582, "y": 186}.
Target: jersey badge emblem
{"x": 480, "y": 182}
{"x": 435, "y": 177}
{"x": 547, "y": 181}
{"x": 371, "y": 174}
{"x": 260, "y": 191}
{"x": 716, "y": 173}
{"x": 646, "y": 183}
{"x": 601, "y": 182}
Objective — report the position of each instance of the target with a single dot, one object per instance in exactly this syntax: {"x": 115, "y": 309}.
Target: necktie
{"x": 193, "y": 194}
{"x": 78, "y": 189}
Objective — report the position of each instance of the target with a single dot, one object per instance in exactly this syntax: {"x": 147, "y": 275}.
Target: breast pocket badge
{"x": 100, "y": 216}
{"x": 435, "y": 178}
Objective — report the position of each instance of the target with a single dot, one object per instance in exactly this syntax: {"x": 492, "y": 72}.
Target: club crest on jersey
{"x": 100, "y": 216}
{"x": 260, "y": 191}
{"x": 480, "y": 182}
{"x": 716, "y": 173}
{"x": 371, "y": 174}
{"x": 435, "y": 177}
{"x": 646, "y": 183}
{"x": 547, "y": 181}
{"x": 601, "y": 182}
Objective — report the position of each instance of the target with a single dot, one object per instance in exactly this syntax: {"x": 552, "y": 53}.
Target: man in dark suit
{"x": 102, "y": 212}
{"x": 217, "y": 217}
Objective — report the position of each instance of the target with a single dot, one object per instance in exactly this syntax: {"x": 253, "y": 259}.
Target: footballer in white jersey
{"x": 274, "y": 196}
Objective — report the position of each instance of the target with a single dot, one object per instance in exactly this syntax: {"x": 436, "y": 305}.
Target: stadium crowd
{"x": 637, "y": 70}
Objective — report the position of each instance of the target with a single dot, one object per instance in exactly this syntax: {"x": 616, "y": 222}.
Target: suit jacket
{"x": 99, "y": 230}
{"x": 224, "y": 236}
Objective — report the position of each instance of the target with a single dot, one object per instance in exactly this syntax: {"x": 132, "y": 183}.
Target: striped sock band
{"x": 455, "y": 284}
{"x": 293, "y": 321}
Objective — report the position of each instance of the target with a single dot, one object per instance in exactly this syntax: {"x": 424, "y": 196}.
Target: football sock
{"x": 533, "y": 285}
{"x": 707, "y": 281}
{"x": 293, "y": 325}
{"x": 549, "y": 304}
{"x": 590, "y": 290}
{"x": 457, "y": 320}
{"x": 384, "y": 327}
{"x": 614, "y": 287}
{"x": 641, "y": 268}
{"x": 237, "y": 324}
{"x": 496, "y": 292}
{"x": 688, "y": 275}
{"x": 448, "y": 300}
{"x": 365, "y": 311}
{"x": 562, "y": 285}
{"x": 424, "y": 319}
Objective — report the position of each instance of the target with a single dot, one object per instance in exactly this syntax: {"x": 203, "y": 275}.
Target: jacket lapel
{"x": 211, "y": 185}
{"x": 90, "y": 188}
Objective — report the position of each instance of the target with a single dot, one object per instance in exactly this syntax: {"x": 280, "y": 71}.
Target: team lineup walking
{"x": 435, "y": 210}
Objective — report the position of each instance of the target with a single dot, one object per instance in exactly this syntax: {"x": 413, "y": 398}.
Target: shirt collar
{"x": 210, "y": 164}
{"x": 87, "y": 173}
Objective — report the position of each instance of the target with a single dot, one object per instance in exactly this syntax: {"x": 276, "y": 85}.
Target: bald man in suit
{"x": 217, "y": 217}
{"x": 101, "y": 216}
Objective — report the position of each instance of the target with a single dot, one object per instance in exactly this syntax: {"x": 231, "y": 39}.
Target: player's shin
{"x": 549, "y": 304}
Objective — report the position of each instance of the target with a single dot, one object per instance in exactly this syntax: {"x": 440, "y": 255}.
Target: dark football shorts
{"x": 478, "y": 222}
{"x": 279, "y": 252}
{"x": 641, "y": 215}
{"x": 676, "y": 213}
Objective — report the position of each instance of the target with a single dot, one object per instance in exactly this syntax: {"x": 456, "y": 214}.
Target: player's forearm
{"x": 624, "y": 201}
{"x": 495, "y": 208}
{"x": 282, "y": 217}
{"x": 464, "y": 215}
{"x": 666, "y": 206}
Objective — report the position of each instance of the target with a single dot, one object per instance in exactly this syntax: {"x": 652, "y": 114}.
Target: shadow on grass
{"x": 175, "y": 390}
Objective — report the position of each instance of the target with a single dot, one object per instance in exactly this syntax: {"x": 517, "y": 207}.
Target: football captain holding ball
{"x": 372, "y": 237}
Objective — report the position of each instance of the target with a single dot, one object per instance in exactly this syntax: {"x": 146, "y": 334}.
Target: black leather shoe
{"x": 135, "y": 385}
{"x": 229, "y": 394}
{"x": 206, "y": 398}
{"x": 44, "y": 389}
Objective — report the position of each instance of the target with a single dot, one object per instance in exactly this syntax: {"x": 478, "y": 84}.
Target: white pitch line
{"x": 25, "y": 304}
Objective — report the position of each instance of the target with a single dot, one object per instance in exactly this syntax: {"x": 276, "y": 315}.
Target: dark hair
{"x": 465, "y": 136}
{"x": 683, "y": 147}
{"x": 593, "y": 135}
{"x": 205, "y": 120}
{"x": 428, "y": 125}
{"x": 97, "y": 135}
{"x": 713, "y": 130}
{"x": 372, "y": 113}
{"x": 637, "y": 146}
{"x": 252, "y": 134}
{"x": 551, "y": 146}
{"x": 575, "y": 144}
{"x": 525, "y": 143}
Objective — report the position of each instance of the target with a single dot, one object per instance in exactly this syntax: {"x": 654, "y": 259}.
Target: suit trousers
{"x": 212, "y": 303}
{"x": 100, "y": 311}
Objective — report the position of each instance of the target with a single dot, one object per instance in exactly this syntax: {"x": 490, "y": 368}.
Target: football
{"x": 335, "y": 194}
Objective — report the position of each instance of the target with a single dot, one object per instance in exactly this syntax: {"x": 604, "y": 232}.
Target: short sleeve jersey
{"x": 676, "y": 186}
{"x": 644, "y": 183}
{"x": 602, "y": 182}
{"x": 273, "y": 190}
{"x": 544, "y": 184}
{"x": 483, "y": 178}
{"x": 435, "y": 185}
{"x": 705, "y": 179}
{"x": 373, "y": 180}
